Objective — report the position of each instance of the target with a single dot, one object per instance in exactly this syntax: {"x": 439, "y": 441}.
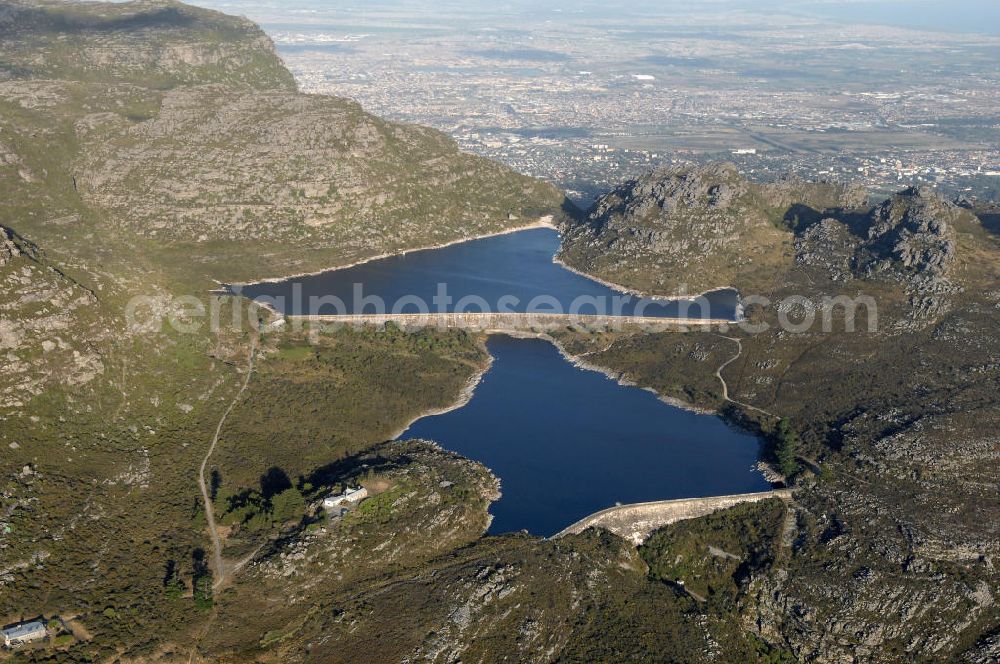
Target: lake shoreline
{"x": 638, "y": 293}
{"x": 619, "y": 378}
{"x": 633, "y": 298}
{"x": 464, "y": 397}
{"x": 541, "y": 222}
{"x": 578, "y": 361}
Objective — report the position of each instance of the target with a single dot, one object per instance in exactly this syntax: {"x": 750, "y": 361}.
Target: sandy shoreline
{"x": 632, "y": 291}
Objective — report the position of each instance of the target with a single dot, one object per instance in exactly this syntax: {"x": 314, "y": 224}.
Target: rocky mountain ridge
{"x": 141, "y": 42}
{"x": 694, "y": 228}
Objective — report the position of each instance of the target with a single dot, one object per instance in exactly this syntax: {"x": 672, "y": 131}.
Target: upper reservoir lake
{"x": 564, "y": 441}
{"x": 512, "y": 272}
{"x": 567, "y": 442}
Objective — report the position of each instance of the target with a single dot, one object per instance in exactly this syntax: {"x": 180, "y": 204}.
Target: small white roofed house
{"x": 349, "y": 497}
{"x": 21, "y": 633}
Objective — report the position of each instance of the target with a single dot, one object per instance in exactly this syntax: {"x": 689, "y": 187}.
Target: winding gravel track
{"x": 725, "y": 387}
{"x": 220, "y": 569}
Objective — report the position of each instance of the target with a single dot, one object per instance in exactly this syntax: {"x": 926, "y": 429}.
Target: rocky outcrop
{"x": 648, "y": 214}
{"x": 714, "y": 187}
{"x": 694, "y": 229}
{"x": 911, "y": 241}
{"x": 8, "y": 249}
{"x": 13, "y": 245}
{"x": 909, "y": 234}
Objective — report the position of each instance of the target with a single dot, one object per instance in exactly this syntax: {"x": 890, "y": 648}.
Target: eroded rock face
{"x": 910, "y": 234}
{"x": 7, "y": 247}
{"x": 911, "y": 241}
{"x": 829, "y": 246}
{"x": 695, "y": 229}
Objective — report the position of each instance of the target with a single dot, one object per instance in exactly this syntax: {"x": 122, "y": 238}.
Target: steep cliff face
{"x": 151, "y": 43}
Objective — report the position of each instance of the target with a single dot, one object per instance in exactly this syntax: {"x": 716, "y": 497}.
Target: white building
{"x": 349, "y": 497}
{"x": 23, "y": 633}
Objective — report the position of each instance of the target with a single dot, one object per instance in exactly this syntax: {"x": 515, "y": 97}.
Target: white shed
{"x": 349, "y": 497}
{"x": 24, "y": 632}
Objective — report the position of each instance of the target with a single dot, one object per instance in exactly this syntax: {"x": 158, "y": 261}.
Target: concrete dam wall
{"x": 635, "y": 522}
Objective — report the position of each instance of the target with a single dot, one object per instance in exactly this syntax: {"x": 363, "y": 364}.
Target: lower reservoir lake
{"x": 566, "y": 441}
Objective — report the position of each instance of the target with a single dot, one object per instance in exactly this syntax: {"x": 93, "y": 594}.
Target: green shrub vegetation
{"x": 714, "y": 556}
{"x": 786, "y": 448}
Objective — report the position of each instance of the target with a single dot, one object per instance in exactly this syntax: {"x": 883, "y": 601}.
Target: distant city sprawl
{"x": 586, "y": 98}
